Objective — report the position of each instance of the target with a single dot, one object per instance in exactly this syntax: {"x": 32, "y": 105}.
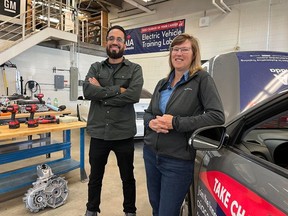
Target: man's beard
{"x": 114, "y": 54}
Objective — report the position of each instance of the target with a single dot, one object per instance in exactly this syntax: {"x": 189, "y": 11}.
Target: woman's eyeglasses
{"x": 184, "y": 50}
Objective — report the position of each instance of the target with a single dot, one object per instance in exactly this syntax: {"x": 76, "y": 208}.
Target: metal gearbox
{"x": 49, "y": 190}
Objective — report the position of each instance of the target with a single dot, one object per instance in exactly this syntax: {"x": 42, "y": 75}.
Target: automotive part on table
{"x": 49, "y": 190}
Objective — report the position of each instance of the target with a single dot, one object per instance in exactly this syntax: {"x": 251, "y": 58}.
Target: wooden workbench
{"x": 23, "y": 130}
{"x": 16, "y": 151}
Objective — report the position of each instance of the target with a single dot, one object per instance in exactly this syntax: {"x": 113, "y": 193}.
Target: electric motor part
{"x": 56, "y": 192}
{"x": 49, "y": 190}
{"x": 35, "y": 199}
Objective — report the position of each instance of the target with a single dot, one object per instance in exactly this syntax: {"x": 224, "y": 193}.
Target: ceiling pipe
{"x": 141, "y": 7}
{"x": 216, "y": 5}
{"x": 225, "y": 5}
{"x": 135, "y": 4}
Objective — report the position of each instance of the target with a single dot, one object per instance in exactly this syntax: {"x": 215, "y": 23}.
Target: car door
{"x": 247, "y": 175}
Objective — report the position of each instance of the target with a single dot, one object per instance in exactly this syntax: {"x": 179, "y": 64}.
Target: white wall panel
{"x": 37, "y": 64}
{"x": 258, "y": 25}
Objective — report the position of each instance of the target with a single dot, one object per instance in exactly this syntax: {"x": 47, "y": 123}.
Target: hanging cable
{"x": 33, "y": 86}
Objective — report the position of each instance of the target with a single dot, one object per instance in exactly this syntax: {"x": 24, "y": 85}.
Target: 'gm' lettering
{"x": 10, "y": 6}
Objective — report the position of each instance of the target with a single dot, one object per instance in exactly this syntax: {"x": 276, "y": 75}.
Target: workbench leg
{"x": 67, "y": 138}
{"x": 83, "y": 174}
{"x": 30, "y": 138}
{"x": 46, "y": 143}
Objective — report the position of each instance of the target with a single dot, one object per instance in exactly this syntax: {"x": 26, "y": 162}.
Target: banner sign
{"x": 154, "y": 38}
{"x": 10, "y": 8}
{"x": 262, "y": 74}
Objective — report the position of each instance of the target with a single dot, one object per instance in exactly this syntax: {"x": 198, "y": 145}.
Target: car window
{"x": 276, "y": 122}
{"x": 269, "y": 140}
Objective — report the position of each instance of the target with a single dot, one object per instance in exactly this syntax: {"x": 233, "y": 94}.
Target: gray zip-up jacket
{"x": 194, "y": 104}
{"x": 111, "y": 114}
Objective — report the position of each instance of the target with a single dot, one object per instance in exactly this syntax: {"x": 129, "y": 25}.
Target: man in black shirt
{"x": 113, "y": 86}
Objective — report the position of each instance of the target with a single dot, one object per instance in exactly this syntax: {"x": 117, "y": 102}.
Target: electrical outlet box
{"x": 58, "y": 81}
{"x": 204, "y": 22}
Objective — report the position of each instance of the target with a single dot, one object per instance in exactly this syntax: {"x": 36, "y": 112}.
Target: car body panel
{"x": 234, "y": 185}
{"x": 231, "y": 179}
{"x": 244, "y": 78}
{"x": 140, "y": 110}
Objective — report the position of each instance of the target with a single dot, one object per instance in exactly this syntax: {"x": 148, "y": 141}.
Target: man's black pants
{"x": 98, "y": 156}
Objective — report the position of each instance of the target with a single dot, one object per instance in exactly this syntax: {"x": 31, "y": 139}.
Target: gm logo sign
{"x": 10, "y": 8}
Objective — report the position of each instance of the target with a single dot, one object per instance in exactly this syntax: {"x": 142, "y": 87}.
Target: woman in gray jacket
{"x": 181, "y": 103}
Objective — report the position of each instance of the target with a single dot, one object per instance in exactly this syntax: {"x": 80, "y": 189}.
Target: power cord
{"x": 33, "y": 86}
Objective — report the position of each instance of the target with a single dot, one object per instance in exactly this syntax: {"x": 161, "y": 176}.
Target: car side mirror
{"x": 208, "y": 138}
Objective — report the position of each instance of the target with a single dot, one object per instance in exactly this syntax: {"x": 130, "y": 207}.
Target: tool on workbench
{"x": 67, "y": 119}
{"x": 51, "y": 107}
{"x": 39, "y": 96}
{"x": 32, "y": 108}
{"x": 48, "y": 119}
{"x": 14, "y": 123}
{"x": 60, "y": 108}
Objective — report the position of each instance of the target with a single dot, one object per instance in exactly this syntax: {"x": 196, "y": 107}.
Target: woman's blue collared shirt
{"x": 165, "y": 94}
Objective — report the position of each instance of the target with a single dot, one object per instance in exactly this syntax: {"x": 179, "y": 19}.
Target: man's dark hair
{"x": 119, "y": 28}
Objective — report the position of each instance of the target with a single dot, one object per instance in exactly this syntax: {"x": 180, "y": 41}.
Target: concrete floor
{"x": 111, "y": 204}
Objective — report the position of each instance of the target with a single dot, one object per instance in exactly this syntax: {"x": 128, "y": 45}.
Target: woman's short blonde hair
{"x": 196, "y": 57}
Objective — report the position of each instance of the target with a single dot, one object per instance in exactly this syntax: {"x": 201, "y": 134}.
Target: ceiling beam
{"x": 132, "y": 17}
{"x": 103, "y": 6}
{"x": 141, "y": 7}
{"x": 112, "y": 3}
